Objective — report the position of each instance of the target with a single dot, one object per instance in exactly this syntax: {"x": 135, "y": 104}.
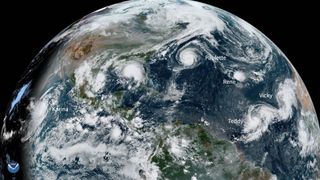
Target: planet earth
{"x": 160, "y": 90}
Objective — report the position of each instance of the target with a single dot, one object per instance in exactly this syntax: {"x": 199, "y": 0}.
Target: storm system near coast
{"x": 160, "y": 90}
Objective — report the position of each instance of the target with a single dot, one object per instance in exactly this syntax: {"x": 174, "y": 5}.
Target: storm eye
{"x": 187, "y": 57}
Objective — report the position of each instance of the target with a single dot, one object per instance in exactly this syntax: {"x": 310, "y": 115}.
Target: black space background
{"x": 28, "y": 25}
